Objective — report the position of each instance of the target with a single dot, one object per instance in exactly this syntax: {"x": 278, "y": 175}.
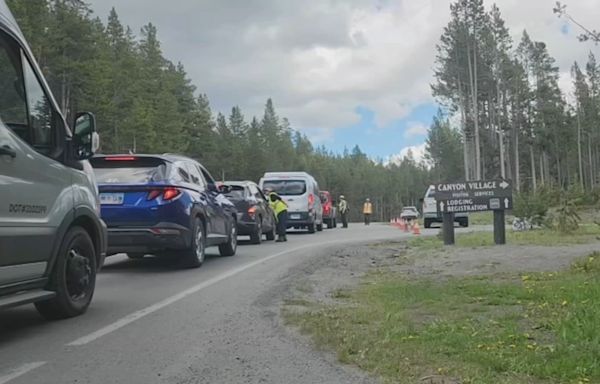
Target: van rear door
{"x": 293, "y": 191}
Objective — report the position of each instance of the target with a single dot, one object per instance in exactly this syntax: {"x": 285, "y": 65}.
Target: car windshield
{"x": 285, "y": 187}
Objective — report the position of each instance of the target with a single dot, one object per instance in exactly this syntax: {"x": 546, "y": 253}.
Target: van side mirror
{"x": 85, "y": 137}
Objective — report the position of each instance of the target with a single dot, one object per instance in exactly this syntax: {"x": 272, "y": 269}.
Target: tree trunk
{"x": 592, "y": 181}
{"x": 533, "y": 176}
{"x": 502, "y": 166}
{"x": 579, "y": 156}
{"x": 474, "y": 102}
{"x": 542, "y": 172}
{"x": 517, "y": 164}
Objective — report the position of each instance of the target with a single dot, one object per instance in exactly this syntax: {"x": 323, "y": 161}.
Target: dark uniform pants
{"x": 282, "y": 223}
{"x": 345, "y": 219}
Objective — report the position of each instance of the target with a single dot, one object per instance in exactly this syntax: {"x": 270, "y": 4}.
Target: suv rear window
{"x": 237, "y": 192}
{"x": 128, "y": 170}
{"x": 285, "y": 187}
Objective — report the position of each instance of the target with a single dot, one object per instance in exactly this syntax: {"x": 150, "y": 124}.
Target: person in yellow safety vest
{"x": 280, "y": 208}
{"x": 367, "y": 211}
{"x": 343, "y": 208}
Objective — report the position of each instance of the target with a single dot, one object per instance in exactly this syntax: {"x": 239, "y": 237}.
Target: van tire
{"x": 427, "y": 223}
{"x": 74, "y": 269}
{"x": 320, "y": 227}
{"x": 311, "y": 228}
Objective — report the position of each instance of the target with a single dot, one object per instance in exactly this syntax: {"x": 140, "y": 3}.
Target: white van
{"x": 301, "y": 193}
{"x": 431, "y": 214}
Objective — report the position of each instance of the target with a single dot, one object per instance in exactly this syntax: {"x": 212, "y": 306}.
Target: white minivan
{"x": 301, "y": 193}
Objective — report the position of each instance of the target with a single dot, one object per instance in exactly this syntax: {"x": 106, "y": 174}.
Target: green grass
{"x": 537, "y": 328}
{"x": 585, "y": 234}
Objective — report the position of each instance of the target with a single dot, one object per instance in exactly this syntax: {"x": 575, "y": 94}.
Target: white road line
{"x": 20, "y": 371}
{"x": 181, "y": 295}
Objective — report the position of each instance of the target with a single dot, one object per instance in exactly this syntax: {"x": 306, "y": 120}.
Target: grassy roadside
{"x": 586, "y": 233}
{"x": 536, "y": 328}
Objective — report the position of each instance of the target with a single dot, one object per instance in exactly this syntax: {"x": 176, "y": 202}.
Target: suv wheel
{"x": 229, "y": 248}
{"x": 194, "y": 256}
{"x": 311, "y": 228}
{"x": 73, "y": 277}
{"x": 271, "y": 234}
{"x": 256, "y": 236}
{"x": 320, "y": 227}
{"x": 426, "y": 223}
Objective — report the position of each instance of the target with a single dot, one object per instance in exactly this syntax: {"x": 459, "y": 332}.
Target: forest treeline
{"x": 515, "y": 121}
{"x": 503, "y": 113}
{"x": 146, "y": 103}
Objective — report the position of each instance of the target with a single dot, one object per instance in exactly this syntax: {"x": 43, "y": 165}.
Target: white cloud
{"x": 319, "y": 60}
{"x": 417, "y": 152}
{"x": 415, "y": 128}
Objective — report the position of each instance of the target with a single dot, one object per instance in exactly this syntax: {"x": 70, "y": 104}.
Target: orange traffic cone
{"x": 416, "y": 228}
{"x": 401, "y": 225}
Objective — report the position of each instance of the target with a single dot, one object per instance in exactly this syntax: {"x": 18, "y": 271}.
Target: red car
{"x": 329, "y": 210}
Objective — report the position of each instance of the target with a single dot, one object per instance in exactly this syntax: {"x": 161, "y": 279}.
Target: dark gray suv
{"x": 52, "y": 240}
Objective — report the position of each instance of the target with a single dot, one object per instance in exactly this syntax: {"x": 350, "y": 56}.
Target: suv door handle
{"x": 5, "y": 150}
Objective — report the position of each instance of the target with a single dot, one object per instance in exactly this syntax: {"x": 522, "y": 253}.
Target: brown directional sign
{"x": 474, "y": 196}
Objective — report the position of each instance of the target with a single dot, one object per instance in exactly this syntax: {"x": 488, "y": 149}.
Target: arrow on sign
{"x": 504, "y": 184}
{"x": 506, "y": 201}
{"x": 442, "y": 206}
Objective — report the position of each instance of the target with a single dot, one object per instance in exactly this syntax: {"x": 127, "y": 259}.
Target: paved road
{"x": 151, "y": 323}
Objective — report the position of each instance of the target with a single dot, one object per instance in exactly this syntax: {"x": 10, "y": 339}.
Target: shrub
{"x": 531, "y": 207}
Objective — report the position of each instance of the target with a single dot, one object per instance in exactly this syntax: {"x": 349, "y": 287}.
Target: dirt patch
{"x": 328, "y": 279}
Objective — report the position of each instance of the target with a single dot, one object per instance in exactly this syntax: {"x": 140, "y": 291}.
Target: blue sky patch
{"x": 382, "y": 142}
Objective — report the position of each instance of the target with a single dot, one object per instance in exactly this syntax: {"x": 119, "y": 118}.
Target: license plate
{"x": 111, "y": 198}
{"x": 295, "y": 217}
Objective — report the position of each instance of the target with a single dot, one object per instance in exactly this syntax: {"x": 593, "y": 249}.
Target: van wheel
{"x": 229, "y": 248}
{"x": 256, "y": 236}
{"x": 73, "y": 277}
{"x": 194, "y": 256}
{"x": 320, "y": 227}
{"x": 311, "y": 228}
{"x": 427, "y": 223}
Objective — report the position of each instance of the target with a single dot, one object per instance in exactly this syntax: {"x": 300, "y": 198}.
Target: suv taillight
{"x": 167, "y": 194}
{"x": 252, "y": 211}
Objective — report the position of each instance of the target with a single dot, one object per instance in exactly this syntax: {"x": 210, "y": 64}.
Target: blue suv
{"x": 163, "y": 204}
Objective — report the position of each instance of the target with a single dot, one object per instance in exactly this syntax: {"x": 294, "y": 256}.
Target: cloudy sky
{"x": 344, "y": 72}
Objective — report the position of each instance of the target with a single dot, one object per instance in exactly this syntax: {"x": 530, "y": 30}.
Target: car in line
{"x": 432, "y": 215}
{"x": 329, "y": 209}
{"x": 300, "y": 191}
{"x": 255, "y": 216}
{"x": 166, "y": 205}
{"x": 52, "y": 240}
{"x": 409, "y": 213}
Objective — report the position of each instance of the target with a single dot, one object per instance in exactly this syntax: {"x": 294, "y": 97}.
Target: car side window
{"x": 208, "y": 178}
{"x": 13, "y": 105}
{"x": 42, "y": 129}
{"x": 257, "y": 193}
{"x": 195, "y": 175}
{"x": 181, "y": 174}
